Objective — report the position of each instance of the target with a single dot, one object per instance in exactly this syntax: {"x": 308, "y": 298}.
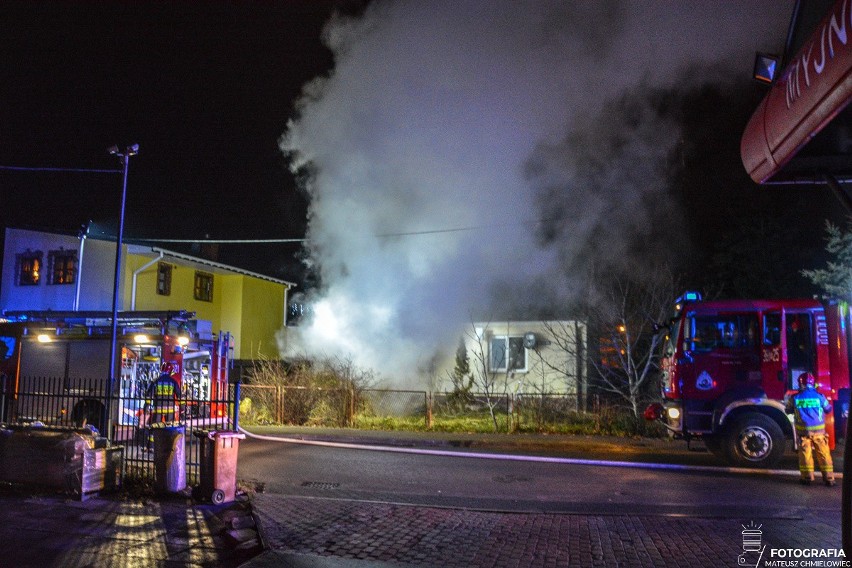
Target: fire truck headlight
{"x": 674, "y": 413}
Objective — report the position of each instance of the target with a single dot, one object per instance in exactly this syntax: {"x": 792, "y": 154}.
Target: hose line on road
{"x": 523, "y": 458}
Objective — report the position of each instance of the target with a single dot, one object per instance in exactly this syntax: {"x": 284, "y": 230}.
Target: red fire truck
{"x": 727, "y": 366}
{"x": 49, "y": 356}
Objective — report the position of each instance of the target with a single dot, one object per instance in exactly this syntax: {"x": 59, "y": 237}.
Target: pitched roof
{"x": 202, "y": 263}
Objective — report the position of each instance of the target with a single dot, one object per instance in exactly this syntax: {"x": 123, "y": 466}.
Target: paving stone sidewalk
{"x": 330, "y": 532}
{"x": 46, "y": 531}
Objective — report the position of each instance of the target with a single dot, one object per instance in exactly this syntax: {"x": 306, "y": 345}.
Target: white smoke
{"x": 418, "y": 142}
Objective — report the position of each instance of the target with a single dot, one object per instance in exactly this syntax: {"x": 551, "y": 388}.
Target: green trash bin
{"x": 169, "y": 459}
{"x": 218, "y": 467}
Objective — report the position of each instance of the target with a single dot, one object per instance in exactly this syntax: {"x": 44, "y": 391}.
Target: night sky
{"x": 205, "y": 89}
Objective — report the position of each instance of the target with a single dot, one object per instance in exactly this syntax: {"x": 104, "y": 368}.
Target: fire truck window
{"x": 772, "y": 329}
{"x": 800, "y": 351}
{"x": 7, "y": 347}
{"x": 737, "y": 331}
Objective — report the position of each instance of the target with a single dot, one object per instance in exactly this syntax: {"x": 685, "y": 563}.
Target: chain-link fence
{"x": 303, "y": 406}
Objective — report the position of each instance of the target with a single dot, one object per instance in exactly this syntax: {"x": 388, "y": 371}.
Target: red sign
{"x": 815, "y": 86}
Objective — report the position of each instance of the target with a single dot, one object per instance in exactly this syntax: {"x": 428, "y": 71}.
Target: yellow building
{"x": 251, "y": 306}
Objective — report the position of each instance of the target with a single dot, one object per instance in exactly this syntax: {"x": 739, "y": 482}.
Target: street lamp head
{"x": 132, "y": 150}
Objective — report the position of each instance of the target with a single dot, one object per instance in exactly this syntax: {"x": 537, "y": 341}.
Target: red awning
{"x": 815, "y": 86}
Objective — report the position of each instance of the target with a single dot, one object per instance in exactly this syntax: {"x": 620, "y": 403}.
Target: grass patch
{"x": 610, "y": 424}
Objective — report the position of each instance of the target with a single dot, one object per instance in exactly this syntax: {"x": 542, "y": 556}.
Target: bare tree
{"x": 485, "y": 380}
{"x": 625, "y": 320}
{"x": 621, "y": 319}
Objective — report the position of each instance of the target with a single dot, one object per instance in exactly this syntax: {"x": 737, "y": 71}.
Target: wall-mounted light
{"x": 183, "y": 340}
{"x": 765, "y": 67}
{"x": 141, "y": 338}
{"x": 44, "y": 338}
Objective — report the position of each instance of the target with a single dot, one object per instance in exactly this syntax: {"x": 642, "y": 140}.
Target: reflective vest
{"x": 809, "y": 408}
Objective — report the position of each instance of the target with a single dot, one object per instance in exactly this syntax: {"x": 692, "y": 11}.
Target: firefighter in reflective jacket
{"x": 161, "y": 398}
{"x": 808, "y": 408}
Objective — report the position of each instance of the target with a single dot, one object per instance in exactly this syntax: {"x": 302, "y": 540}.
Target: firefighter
{"x": 808, "y": 408}
{"x": 161, "y": 398}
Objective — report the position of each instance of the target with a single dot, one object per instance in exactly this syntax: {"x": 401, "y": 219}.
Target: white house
{"x": 531, "y": 356}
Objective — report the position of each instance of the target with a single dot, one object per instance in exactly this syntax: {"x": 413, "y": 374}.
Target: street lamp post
{"x": 125, "y": 159}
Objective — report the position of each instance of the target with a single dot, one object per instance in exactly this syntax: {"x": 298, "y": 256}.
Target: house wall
{"x": 263, "y": 305}
{"x": 96, "y": 270}
{"x": 250, "y": 308}
{"x": 550, "y": 368}
{"x": 182, "y": 294}
{"x": 232, "y": 316}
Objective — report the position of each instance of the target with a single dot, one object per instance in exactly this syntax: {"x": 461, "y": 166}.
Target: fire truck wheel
{"x": 754, "y": 440}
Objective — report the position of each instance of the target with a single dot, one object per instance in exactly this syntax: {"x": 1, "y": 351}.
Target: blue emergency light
{"x": 689, "y": 297}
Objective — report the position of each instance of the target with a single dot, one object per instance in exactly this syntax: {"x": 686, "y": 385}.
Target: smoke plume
{"x": 463, "y": 157}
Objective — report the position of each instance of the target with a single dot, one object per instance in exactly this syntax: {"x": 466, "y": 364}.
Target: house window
{"x": 164, "y": 279}
{"x": 203, "y": 286}
{"x": 62, "y": 266}
{"x": 29, "y": 268}
{"x": 507, "y": 354}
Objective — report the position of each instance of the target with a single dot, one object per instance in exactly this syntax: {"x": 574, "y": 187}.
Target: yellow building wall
{"x": 263, "y": 316}
{"x": 232, "y": 319}
{"x": 251, "y": 309}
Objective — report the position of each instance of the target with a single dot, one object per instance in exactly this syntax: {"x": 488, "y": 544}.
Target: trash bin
{"x": 169, "y": 459}
{"x": 218, "y": 471}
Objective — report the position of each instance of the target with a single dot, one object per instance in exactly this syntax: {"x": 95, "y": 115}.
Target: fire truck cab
{"x": 64, "y": 356}
{"x": 728, "y": 365}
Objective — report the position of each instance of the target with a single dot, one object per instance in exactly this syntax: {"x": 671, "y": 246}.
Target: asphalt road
{"x": 524, "y": 486}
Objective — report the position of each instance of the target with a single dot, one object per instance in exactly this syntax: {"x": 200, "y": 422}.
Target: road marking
{"x": 538, "y": 459}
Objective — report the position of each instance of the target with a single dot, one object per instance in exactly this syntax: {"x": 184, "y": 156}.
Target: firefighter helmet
{"x": 806, "y": 380}
{"x": 168, "y": 367}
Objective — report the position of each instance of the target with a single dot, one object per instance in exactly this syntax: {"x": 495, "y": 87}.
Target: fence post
{"x": 237, "y": 406}
{"x": 279, "y": 405}
{"x": 428, "y": 410}
{"x": 510, "y": 412}
{"x": 350, "y": 419}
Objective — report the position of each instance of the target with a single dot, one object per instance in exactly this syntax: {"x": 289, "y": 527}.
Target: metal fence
{"x": 63, "y": 403}
{"x": 276, "y": 404}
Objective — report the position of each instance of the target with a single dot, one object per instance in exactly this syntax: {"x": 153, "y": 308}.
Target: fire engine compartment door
{"x": 772, "y": 357}
{"x": 71, "y": 361}
{"x": 43, "y": 360}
